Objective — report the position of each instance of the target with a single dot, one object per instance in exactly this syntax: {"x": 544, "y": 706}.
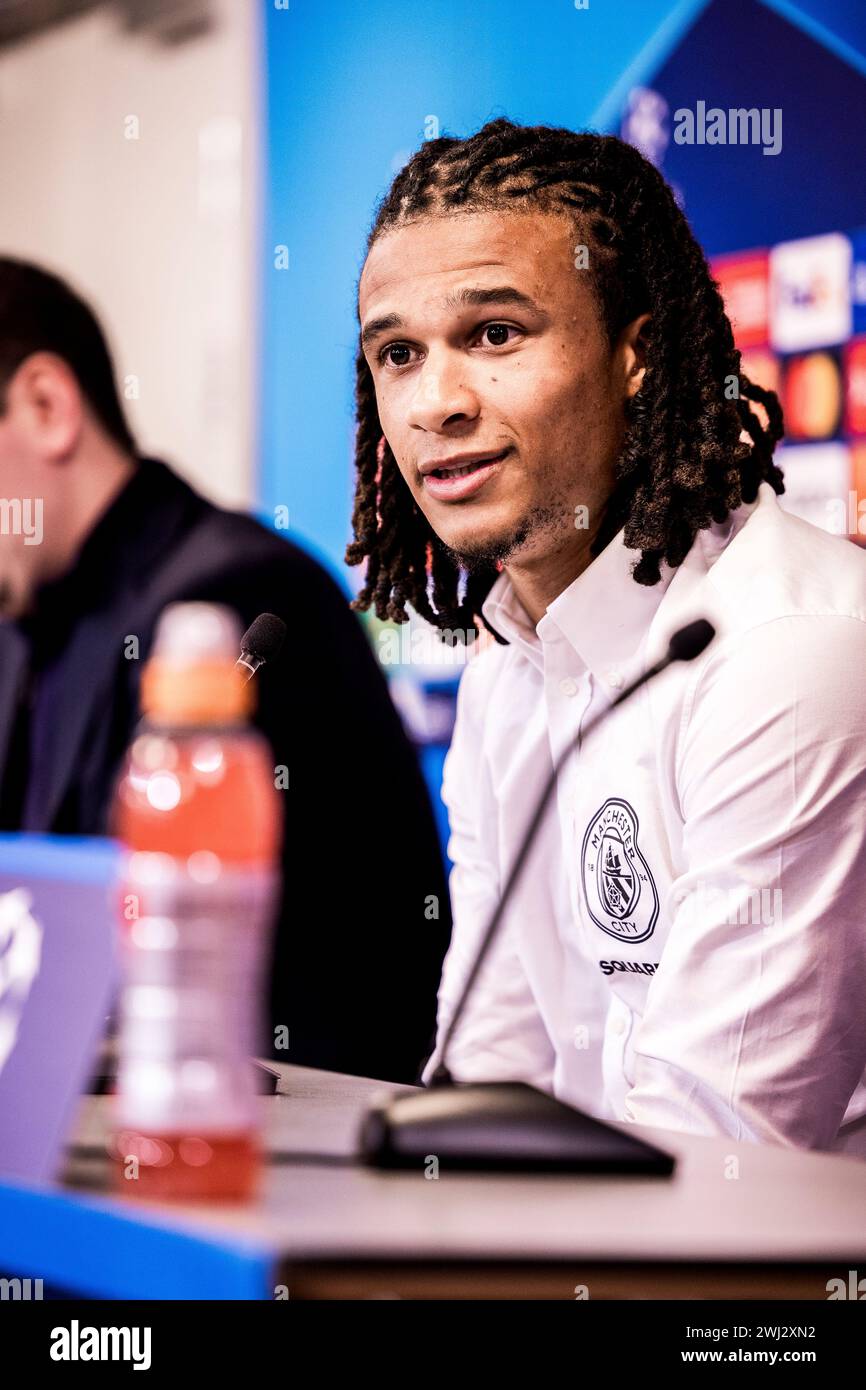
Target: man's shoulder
{"x": 245, "y": 540}
{"x": 778, "y": 565}
{"x": 223, "y": 548}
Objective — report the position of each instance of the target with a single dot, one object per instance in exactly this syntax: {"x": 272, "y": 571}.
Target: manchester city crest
{"x": 619, "y": 889}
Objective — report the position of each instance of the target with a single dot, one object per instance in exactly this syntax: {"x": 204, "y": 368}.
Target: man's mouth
{"x": 453, "y": 484}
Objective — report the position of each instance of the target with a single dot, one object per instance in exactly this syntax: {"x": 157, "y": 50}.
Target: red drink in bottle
{"x": 198, "y": 812}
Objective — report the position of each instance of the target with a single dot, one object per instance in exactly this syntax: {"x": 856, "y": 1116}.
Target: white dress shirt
{"x": 686, "y": 946}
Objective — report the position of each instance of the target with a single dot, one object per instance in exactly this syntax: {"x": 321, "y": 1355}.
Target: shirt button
{"x": 614, "y": 678}
{"x": 568, "y": 686}
{"x": 619, "y": 1024}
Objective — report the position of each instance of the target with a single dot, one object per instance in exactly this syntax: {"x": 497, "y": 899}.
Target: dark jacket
{"x": 357, "y": 959}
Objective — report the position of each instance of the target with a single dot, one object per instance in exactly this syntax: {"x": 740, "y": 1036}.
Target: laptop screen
{"x": 58, "y": 975}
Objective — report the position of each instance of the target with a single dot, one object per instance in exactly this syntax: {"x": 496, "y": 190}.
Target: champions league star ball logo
{"x": 645, "y": 124}
{"x": 619, "y": 889}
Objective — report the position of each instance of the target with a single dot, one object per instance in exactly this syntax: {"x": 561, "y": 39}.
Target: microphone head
{"x": 691, "y": 640}
{"x": 264, "y": 637}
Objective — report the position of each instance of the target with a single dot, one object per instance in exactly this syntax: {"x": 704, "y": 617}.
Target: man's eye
{"x": 498, "y": 329}
{"x": 393, "y": 347}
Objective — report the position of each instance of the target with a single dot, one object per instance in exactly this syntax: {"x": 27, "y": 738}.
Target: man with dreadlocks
{"x": 555, "y": 442}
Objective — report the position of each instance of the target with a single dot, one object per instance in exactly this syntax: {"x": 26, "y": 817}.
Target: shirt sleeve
{"x": 755, "y": 1024}
{"x": 501, "y": 1035}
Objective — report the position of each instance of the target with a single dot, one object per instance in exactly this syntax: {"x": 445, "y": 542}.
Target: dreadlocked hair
{"x": 684, "y": 463}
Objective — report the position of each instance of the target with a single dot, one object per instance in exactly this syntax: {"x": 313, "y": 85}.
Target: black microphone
{"x": 261, "y": 643}
{"x": 690, "y": 641}
{"x": 395, "y": 1135}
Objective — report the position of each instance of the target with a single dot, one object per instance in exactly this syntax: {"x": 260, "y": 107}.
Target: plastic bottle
{"x": 198, "y": 811}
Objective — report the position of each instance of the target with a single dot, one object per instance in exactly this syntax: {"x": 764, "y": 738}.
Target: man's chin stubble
{"x": 500, "y": 549}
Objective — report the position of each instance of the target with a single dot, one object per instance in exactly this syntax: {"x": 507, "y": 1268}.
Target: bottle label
{"x": 195, "y": 937}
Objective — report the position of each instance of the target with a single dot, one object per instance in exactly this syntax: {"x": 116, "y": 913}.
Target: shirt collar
{"x": 505, "y": 613}
{"x": 603, "y": 614}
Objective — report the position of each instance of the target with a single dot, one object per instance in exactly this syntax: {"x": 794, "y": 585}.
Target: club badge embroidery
{"x": 618, "y": 888}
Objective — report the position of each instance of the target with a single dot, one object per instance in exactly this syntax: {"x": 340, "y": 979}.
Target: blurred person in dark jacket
{"x": 95, "y": 540}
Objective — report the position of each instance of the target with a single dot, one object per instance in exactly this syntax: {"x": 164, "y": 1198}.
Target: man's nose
{"x": 443, "y": 393}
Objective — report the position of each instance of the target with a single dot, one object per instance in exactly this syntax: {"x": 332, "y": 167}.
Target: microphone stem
{"x": 250, "y": 664}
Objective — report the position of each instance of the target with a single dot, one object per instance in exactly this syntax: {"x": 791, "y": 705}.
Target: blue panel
{"x": 107, "y": 1251}
{"x": 839, "y": 25}
{"x": 432, "y": 759}
{"x": 83, "y": 858}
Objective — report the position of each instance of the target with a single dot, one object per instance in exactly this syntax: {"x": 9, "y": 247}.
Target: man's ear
{"x": 46, "y": 399}
{"x": 632, "y": 349}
